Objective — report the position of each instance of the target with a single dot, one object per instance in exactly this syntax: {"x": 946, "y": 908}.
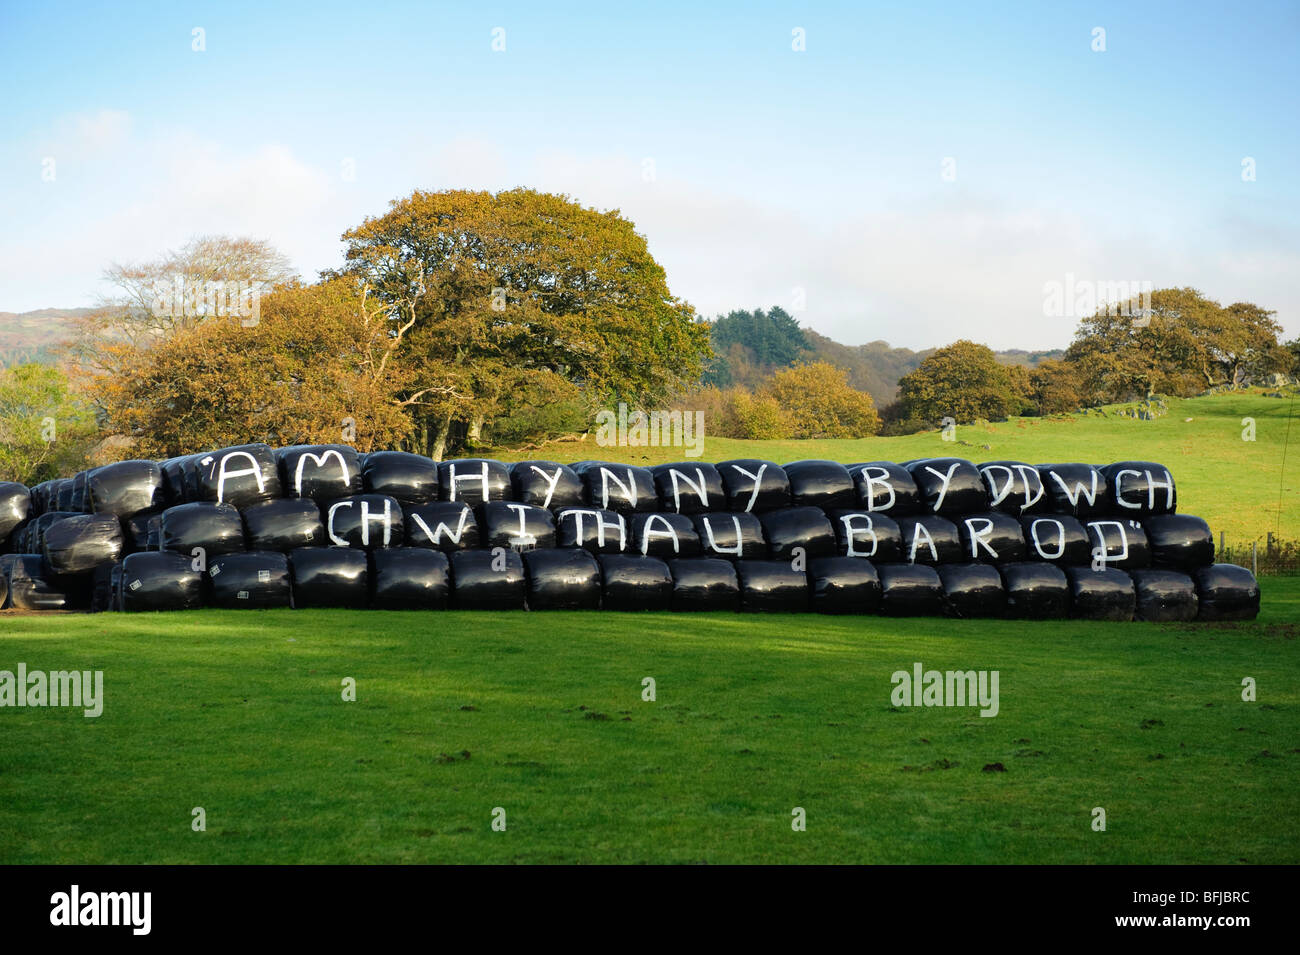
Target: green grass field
{"x": 1234, "y": 484}
{"x": 241, "y": 713}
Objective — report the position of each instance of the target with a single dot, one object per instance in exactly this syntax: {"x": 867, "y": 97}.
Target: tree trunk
{"x": 475, "y": 431}
{"x": 438, "y": 446}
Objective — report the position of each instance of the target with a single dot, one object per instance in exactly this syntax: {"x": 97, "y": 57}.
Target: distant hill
{"x": 34, "y": 336}
{"x": 752, "y": 345}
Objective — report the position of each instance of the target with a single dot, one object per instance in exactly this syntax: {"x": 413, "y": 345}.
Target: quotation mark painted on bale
{"x": 199, "y": 820}
{"x": 1248, "y": 689}
{"x": 349, "y": 690}
{"x": 799, "y": 819}
{"x": 498, "y": 819}
{"x": 1098, "y": 819}
{"x": 199, "y": 40}
{"x": 648, "y": 689}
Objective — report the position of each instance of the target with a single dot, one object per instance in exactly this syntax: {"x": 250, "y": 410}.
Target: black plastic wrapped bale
{"x": 1014, "y": 487}
{"x": 518, "y": 526}
{"x": 410, "y": 578}
{"x": 408, "y": 478}
{"x": 154, "y": 538}
{"x": 80, "y": 499}
{"x": 1139, "y": 488}
{"x": 910, "y": 590}
{"x": 704, "y": 583}
{"x": 1164, "y": 596}
{"x": 1181, "y": 541}
{"x": 1036, "y": 590}
{"x": 754, "y": 486}
{"x": 562, "y": 578}
{"x": 474, "y": 481}
{"x": 80, "y": 544}
{"x": 15, "y": 507}
{"x": 217, "y": 528}
{"x": 32, "y": 536}
{"x": 253, "y": 580}
{"x": 546, "y": 484}
{"x": 1079, "y": 490}
{"x": 488, "y": 580}
{"x": 824, "y": 484}
{"x": 284, "y": 525}
{"x": 663, "y": 535}
{"x": 40, "y": 497}
{"x": 243, "y": 475}
{"x": 31, "y": 587}
{"x": 442, "y": 525}
{"x": 992, "y": 536}
{"x": 635, "y": 583}
{"x": 840, "y": 585}
{"x": 772, "y": 586}
{"x": 591, "y": 528}
{"x": 173, "y": 480}
{"x": 875, "y": 536}
{"x": 1226, "y": 592}
{"x": 126, "y": 488}
{"x": 949, "y": 486}
{"x": 798, "y": 527}
{"x": 103, "y": 596}
{"x": 1057, "y": 539}
{"x": 1106, "y": 594}
{"x": 366, "y": 520}
{"x": 736, "y": 536}
{"x": 689, "y": 488}
{"x": 330, "y": 577}
{"x": 972, "y": 591}
{"x": 930, "y": 539}
{"x": 66, "y": 495}
{"x": 135, "y": 531}
{"x": 885, "y": 488}
{"x": 621, "y": 488}
{"x": 158, "y": 580}
{"x": 322, "y": 472}
{"x": 1118, "y": 543}
{"x": 115, "y": 582}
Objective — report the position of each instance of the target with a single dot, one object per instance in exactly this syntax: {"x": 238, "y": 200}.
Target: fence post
{"x": 1254, "y": 558}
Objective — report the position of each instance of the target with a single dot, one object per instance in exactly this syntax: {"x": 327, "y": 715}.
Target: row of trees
{"x": 453, "y": 311}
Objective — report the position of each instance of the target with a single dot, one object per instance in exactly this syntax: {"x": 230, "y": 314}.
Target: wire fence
{"x": 1263, "y": 556}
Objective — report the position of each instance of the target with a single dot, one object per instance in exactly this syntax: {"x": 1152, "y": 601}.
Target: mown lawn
{"x": 1241, "y": 487}
{"x": 241, "y": 713}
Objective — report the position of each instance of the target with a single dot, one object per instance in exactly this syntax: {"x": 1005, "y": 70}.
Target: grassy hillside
{"x": 1233, "y": 484}
{"x": 240, "y": 713}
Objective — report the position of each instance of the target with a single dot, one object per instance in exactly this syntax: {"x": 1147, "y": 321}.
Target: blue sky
{"x": 760, "y": 175}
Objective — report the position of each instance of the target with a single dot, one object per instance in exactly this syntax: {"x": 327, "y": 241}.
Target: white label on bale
{"x": 242, "y": 595}
{"x": 136, "y": 584}
{"x": 216, "y": 569}
{"x": 263, "y": 576}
